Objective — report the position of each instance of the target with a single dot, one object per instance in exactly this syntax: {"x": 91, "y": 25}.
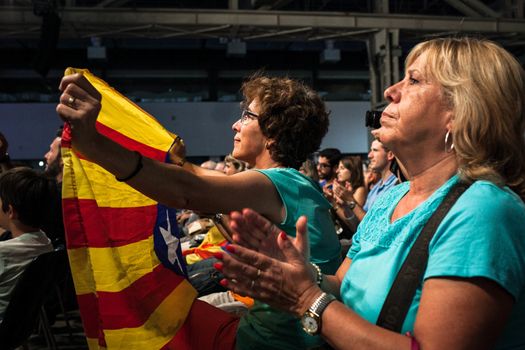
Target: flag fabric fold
{"x": 123, "y": 247}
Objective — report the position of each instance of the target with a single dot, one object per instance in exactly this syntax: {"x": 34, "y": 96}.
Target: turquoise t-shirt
{"x": 267, "y": 328}
{"x": 482, "y": 236}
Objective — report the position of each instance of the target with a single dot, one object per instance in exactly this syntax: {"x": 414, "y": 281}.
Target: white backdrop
{"x": 204, "y": 126}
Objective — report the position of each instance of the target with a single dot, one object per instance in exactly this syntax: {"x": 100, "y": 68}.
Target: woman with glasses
{"x": 281, "y": 123}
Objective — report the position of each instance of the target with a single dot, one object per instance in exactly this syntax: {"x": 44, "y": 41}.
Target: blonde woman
{"x": 458, "y": 114}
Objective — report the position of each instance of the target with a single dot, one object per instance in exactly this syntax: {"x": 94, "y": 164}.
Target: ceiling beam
{"x": 19, "y": 18}
{"x": 111, "y": 3}
{"x": 463, "y": 8}
{"x": 482, "y": 8}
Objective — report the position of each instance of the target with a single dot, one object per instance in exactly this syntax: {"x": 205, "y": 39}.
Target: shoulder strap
{"x": 404, "y": 288}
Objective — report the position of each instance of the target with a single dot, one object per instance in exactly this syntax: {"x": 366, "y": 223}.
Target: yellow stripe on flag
{"x": 97, "y": 183}
{"x": 114, "y": 104}
{"x": 161, "y": 326}
{"x": 111, "y": 269}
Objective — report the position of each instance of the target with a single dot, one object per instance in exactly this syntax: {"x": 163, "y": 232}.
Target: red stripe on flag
{"x": 131, "y": 144}
{"x": 121, "y": 309}
{"x": 88, "y": 306}
{"x": 73, "y": 223}
{"x": 206, "y": 328}
{"x": 106, "y": 227}
{"x": 183, "y": 339}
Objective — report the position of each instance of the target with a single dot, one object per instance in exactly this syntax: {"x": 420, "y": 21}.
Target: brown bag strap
{"x": 404, "y": 288}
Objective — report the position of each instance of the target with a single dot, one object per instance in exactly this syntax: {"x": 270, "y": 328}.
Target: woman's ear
{"x": 450, "y": 121}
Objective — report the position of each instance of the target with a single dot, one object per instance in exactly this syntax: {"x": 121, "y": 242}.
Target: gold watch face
{"x": 310, "y": 324}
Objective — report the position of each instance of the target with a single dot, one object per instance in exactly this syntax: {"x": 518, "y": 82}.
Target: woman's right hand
{"x": 80, "y": 104}
{"x": 287, "y": 283}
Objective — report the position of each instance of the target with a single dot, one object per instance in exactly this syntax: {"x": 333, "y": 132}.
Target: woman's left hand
{"x": 80, "y": 104}
{"x": 253, "y": 231}
{"x": 286, "y": 283}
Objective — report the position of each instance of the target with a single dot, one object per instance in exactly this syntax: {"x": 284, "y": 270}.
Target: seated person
{"x": 24, "y": 198}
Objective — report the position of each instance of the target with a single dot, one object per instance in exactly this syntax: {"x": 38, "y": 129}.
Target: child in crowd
{"x": 25, "y": 198}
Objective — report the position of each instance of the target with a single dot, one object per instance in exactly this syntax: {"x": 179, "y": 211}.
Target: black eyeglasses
{"x": 247, "y": 116}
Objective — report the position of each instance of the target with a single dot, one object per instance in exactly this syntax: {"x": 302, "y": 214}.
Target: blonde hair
{"x": 485, "y": 87}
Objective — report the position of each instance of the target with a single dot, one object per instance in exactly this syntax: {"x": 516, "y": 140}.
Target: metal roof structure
{"x": 214, "y": 39}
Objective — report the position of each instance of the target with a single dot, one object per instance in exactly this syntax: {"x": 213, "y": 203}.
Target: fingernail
{"x": 224, "y": 282}
{"x": 230, "y": 248}
{"x": 218, "y": 266}
{"x": 283, "y": 235}
{"x": 218, "y": 255}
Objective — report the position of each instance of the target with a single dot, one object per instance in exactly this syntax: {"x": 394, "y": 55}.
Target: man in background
{"x": 327, "y": 165}
{"x": 53, "y": 158}
{"x": 381, "y": 160}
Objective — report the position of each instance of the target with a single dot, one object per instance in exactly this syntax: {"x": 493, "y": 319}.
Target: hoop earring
{"x": 448, "y": 149}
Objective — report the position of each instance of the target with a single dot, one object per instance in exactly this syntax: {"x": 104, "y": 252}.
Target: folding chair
{"x": 25, "y": 307}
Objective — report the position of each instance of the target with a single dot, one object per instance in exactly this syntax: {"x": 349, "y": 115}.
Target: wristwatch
{"x": 351, "y": 205}
{"x": 311, "y": 319}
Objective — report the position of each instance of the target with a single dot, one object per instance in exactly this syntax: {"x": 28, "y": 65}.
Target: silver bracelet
{"x": 319, "y": 277}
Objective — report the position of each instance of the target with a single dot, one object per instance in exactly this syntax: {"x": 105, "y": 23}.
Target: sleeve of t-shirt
{"x": 482, "y": 236}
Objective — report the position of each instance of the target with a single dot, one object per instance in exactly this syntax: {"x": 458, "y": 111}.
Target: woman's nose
{"x": 237, "y": 126}
{"x": 392, "y": 93}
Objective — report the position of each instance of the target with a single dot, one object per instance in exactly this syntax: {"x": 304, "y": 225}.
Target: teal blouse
{"x": 482, "y": 236}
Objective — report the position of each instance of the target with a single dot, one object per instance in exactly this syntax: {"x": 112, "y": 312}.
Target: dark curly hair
{"x": 292, "y": 116}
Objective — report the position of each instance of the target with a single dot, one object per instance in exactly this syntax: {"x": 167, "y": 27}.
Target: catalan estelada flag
{"x": 123, "y": 247}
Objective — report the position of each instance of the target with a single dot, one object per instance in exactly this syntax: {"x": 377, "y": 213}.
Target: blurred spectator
{"x": 5, "y": 161}
{"x": 220, "y": 166}
{"x": 308, "y": 168}
{"x": 327, "y": 165}
{"x": 233, "y": 166}
{"x": 209, "y": 164}
{"x": 53, "y": 158}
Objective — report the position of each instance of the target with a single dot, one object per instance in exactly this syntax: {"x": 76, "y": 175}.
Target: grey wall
{"x": 204, "y": 126}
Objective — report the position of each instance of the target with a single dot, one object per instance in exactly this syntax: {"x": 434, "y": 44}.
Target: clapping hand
{"x": 287, "y": 282}
{"x": 343, "y": 193}
{"x": 253, "y": 231}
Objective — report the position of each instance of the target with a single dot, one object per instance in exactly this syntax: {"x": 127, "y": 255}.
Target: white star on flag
{"x": 172, "y": 243}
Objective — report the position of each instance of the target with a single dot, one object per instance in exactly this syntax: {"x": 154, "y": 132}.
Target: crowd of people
{"x": 456, "y": 120}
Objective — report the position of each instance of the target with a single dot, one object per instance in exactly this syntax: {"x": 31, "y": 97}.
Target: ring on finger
{"x": 234, "y": 280}
{"x": 71, "y": 101}
{"x": 258, "y": 273}
{"x": 253, "y": 284}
